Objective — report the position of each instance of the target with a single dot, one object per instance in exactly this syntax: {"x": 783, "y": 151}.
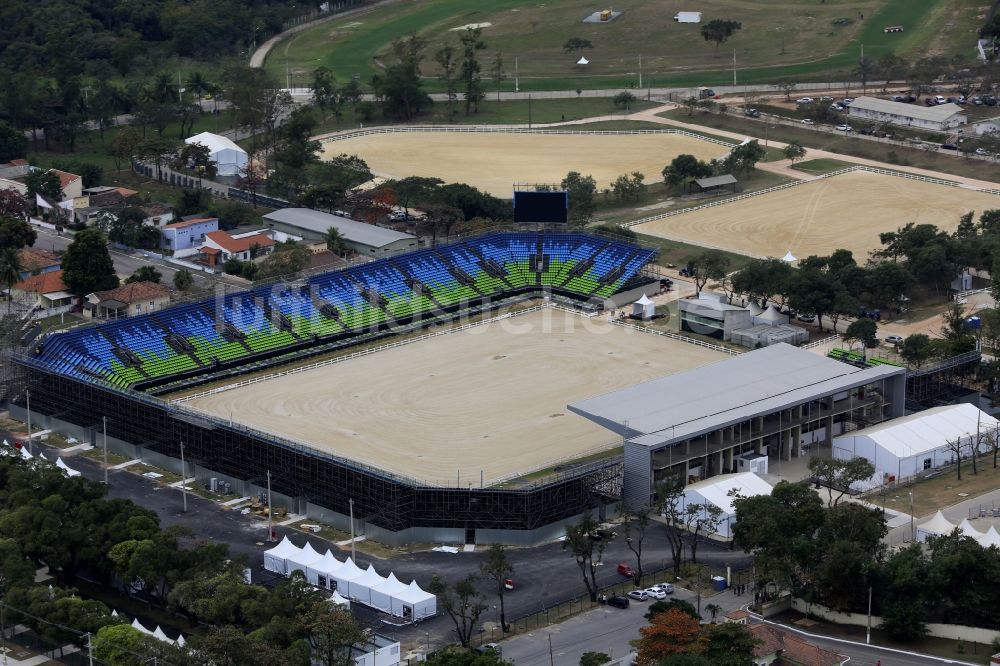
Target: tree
{"x": 13, "y": 144}
{"x": 332, "y": 633}
{"x": 635, "y": 525}
{"x": 497, "y": 569}
{"x": 586, "y": 551}
{"x": 890, "y": 67}
{"x": 624, "y": 100}
{"x": 794, "y": 151}
{"x": 786, "y": 86}
{"x": 15, "y": 233}
{"x": 917, "y": 349}
{"x": 183, "y": 279}
{"x": 13, "y": 205}
{"x": 684, "y": 168}
{"x": 462, "y": 603}
{"x": 668, "y": 633}
{"x": 839, "y": 475}
{"x": 144, "y": 274}
{"x": 744, "y": 157}
{"x": 864, "y": 70}
{"x": 691, "y": 103}
{"x": 16, "y": 570}
{"x": 324, "y": 90}
{"x": 763, "y": 279}
{"x": 628, "y": 186}
{"x": 497, "y": 72}
{"x": 335, "y": 241}
{"x": 658, "y": 607}
{"x": 472, "y": 43}
{"x": 958, "y": 338}
{"x": 87, "y": 265}
{"x": 728, "y": 644}
{"x": 814, "y": 290}
{"x": 863, "y": 330}
{"x": 670, "y": 492}
{"x": 708, "y": 265}
{"x": 447, "y": 58}
{"x": 576, "y": 44}
{"x": 701, "y": 518}
{"x": 45, "y": 183}
{"x": 594, "y": 658}
{"x": 719, "y": 31}
{"x": 580, "y": 190}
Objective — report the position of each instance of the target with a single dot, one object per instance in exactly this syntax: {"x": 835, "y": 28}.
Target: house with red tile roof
{"x": 35, "y": 261}
{"x": 128, "y": 300}
{"x": 786, "y": 648}
{"x": 45, "y": 294}
{"x": 220, "y": 246}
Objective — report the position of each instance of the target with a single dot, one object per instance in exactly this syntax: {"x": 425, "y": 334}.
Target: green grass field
{"x": 821, "y": 166}
{"x": 795, "y": 38}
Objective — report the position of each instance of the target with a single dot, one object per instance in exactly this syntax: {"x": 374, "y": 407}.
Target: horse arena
{"x": 847, "y": 210}
{"x": 484, "y": 403}
{"x": 494, "y": 160}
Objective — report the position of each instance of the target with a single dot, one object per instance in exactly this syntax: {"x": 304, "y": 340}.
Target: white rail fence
{"x": 820, "y": 342}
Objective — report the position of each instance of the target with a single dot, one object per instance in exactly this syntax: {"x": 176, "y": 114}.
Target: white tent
{"x": 789, "y": 257}
{"x": 25, "y": 453}
{"x": 582, "y": 61}
{"x": 381, "y": 595}
{"x": 345, "y": 573}
{"x": 67, "y": 470}
{"x": 302, "y": 560}
{"x": 754, "y": 308}
{"x": 275, "y": 558}
{"x": 991, "y": 538}
{"x": 338, "y": 600}
{"x": 688, "y": 17}
{"x": 319, "y": 571}
{"x": 138, "y": 626}
{"x": 413, "y": 603}
{"x": 361, "y": 588}
{"x": 966, "y": 528}
{"x": 229, "y": 158}
{"x": 901, "y": 448}
{"x": 718, "y": 491}
{"x": 771, "y": 316}
{"x": 644, "y": 308}
{"x": 936, "y": 526}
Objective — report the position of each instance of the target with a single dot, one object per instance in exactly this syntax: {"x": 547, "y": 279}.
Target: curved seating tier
{"x": 197, "y": 337}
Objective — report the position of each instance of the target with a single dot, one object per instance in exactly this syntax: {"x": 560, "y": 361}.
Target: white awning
{"x": 789, "y": 257}
{"x": 582, "y": 61}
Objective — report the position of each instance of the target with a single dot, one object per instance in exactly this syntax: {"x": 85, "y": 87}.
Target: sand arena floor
{"x": 492, "y": 398}
{"x": 494, "y": 161}
{"x": 845, "y": 211}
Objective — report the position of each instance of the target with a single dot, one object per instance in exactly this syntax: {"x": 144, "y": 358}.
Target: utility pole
{"x": 27, "y": 397}
{"x": 529, "y": 111}
{"x": 270, "y": 510}
{"x": 552, "y": 661}
{"x": 868, "y": 633}
{"x": 351, "y": 503}
{"x": 640, "y": 71}
{"x": 913, "y": 532}
{"x": 90, "y": 650}
{"x": 734, "y": 67}
{"x": 184, "y": 492}
{"x": 105, "y": 419}
{"x": 517, "y": 87}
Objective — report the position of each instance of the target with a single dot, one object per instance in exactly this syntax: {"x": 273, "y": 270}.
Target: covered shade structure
{"x": 345, "y": 574}
{"x": 275, "y": 559}
{"x": 935, "y": 527}
{"x": 382, "y": 595}
{"x": 414, "y": 603}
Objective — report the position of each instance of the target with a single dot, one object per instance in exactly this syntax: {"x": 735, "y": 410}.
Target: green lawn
{"x": 796, "y": 38}
{"x": 846, "y": 145}
{"x": 821, "y": 165}
{"x": 677, "y": 253}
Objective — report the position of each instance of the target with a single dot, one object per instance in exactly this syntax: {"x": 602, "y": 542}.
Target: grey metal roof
{"x": 938, "y": 113}
{"x": 715, "y": 181}
{"x": 687, "y": 404}
{"x": 356, "y": 232}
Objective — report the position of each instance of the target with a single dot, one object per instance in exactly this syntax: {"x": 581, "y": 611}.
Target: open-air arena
{"x": 847, "y": 211}
{"x": 494, "y": 161}
{"x": 490, "y": 399}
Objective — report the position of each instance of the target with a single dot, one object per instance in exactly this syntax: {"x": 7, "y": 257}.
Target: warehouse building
{"x": 940, "y": 117}
{"x": 365, "y": 239}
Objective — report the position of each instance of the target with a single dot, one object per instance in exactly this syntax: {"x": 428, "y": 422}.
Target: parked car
{"x": 894, "y": 339}
{"x": 666, "y": 588}
{"x": 949, "y": 146}
{"x": 807, "y": 318}
{"x": 398, "y": 216}
{"x": 626, "y": 570}
{"x": 753, "y": 113}
{"x": 990, "y": 100}
{"x": 844, "y": 128}
{"x": 977, "y": 100}
{"x": 824, "y": 98}
{"x": 804, "y": 100}
{"x": 638, "y": 595}
{"x": 836, "y": 108}
{"x": 808, "y": 121}
{"x": 490, "y": 648}
{"x": 342, "y": 213}
{"x": 847, "y": 100}
{"x": 618, "y": 602}
{"x": 982, "y": 151}
{"x": 655, "y": 593}
{"x": 940, "y": 100}
{"x": 898, "y": 98}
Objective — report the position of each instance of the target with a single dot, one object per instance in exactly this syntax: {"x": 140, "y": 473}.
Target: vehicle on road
{"x": 488, "y": 648}
{"x": 655, "y": 593}
{"x": 940, "y": 100}
{"x": 894, "y": 339}
{"x": 618, "y": 602}
{"x": 949, "y": 146}
{"x": 666, "y": 588}
{"x": 808, "y": 121}
{"x": 804, "y": 100}
{"x": 638, "y": 595}
{"x": 982, "y": 151}
{"x": 807, "y": 318}
{"x": 752, "y": 113}
{"x": 626, "y": 570}
{"x": 844, "y": 128}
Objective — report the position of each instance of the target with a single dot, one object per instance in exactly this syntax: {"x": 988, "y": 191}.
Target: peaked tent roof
{"x": 284, "y": 550}
{"x": 391, "y": 585}
{"x": 771, "y": 314}
{"x": 928, "y": 430}
{"x": 644, "y": 300}
{"x": 937, "y": 525}
{"x": 754, "y": 308}
{"x": 214, "y": 142}
{"x": 717, "y": 489}
{"x": 66, "y": 468}
{"x": 370, "y": 578}
{"x": 789, "y": 257}
{"x": 349, "y": 570}
{"x": 328, "y": 563}
{"x": 582, "y": 61}
{"x": 338, "y": 600}
{"x": 966, "y": 528}
{"x": 991, "y": 538}
{"x": 413, "y": 594}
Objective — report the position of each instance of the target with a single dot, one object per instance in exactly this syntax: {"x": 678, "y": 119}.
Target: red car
{"x": 626, "y": 570}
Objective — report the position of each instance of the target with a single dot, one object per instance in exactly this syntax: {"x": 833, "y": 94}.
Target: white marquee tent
{"x": 302, "y": 560}
{"x": 67, "y": 470}
{"x": 229, "y": 158}
{"x": 344, "y": 575}
{"x": 361, "y": 588}
{"x": 644, "y": 308}
{"x": 718, "y": 491}
{"x": 904, "y": 447}
{"x": 936, "y": 526}
{"x": 991, "y": 538}
{"x": 320, "y": 570}
{"x": 413, "y": 603}
{"x": 381, "y": 596}
{"x": 275, "y": 558}
{"x": 338, "y": 600}
{"x": 966, "y": 528}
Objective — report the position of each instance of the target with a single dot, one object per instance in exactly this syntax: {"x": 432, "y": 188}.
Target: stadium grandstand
{"x": 201, "y": 337}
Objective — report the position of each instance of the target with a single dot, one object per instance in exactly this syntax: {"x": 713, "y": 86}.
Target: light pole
{"x": 913, "y": 533}
{"x": 868, "y": 632}
{"x": 27, "y": 398}
{"x": 270, "y": 510}
{"x": 351, "y": 503}
{"x": 184, "y": 492}
{"x": 105, "y": 419}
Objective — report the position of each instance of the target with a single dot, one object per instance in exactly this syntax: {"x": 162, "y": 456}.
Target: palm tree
{"x": 10, "y": 271}
{"x": 334, "y": 241}
{"x": 199, "y": 85}
{"x": 713, "y": 609}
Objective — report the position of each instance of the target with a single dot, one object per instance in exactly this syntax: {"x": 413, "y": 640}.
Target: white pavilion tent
{"x": 789, "y": 258}
{"x": 771, "y": 316}
{"x": 67, "y": 470}
{"x": 302, "y": 560}
{"x": 361, "y": 588}
{"x": 319, "y": 571}
{"x": 935, "y": 527}
{"x": 719, "y": 491}
{"x": 338, "y": 600}
{"x": 343, "y": 577}
{"x": 966, "y": 528}
{"x": 991, "y": 538}
{"x": 582, "y": 61}
{"x": 381, "y": 595}
{"x": 644, "y": 308}
{"x": 229, "y": 158}
{"x": 413, "y": 603}
{"x": 275, "y": 558}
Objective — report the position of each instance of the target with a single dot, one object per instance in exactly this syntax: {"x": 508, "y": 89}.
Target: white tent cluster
{"x": 158, "y": 634}
{"x": 940, "y": 526}
{"x": 24, "y": 453}
{"x": 349, "y": 582}
{"x": 229, "y": 158}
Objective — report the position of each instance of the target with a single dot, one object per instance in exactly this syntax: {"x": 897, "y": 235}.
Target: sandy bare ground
{"x": 493, "y": 162}
{"x": 846, "y": 211}
{"x": 491, "y": 399}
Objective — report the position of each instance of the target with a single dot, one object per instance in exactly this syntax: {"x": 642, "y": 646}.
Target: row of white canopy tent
{"x": 365, "y": 586}
{"x": 158, "y": 634}
{"x": 66, "y": 469}
{"x": 940, "y": 526}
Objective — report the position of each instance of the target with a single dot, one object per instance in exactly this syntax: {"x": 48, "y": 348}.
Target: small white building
{"x": 720, "y": 491}
{"x": 910, "y": 445}
{"x": 229, "y": 158}
{"x": 940, "y": 117}
{"x": 710, "y": 314}
{"x": 187, "y": 233}
{"x": 688, "y": 17}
